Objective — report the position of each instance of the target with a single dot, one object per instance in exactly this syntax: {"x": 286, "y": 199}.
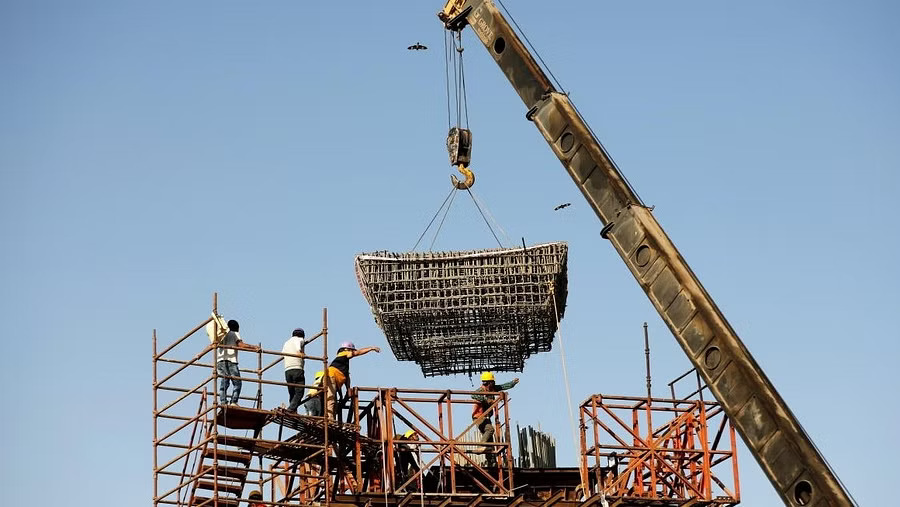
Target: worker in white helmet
{"x": 482, "y": 410}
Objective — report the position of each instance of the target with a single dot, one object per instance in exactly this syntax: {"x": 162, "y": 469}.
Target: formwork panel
{"x": 463, "y": 312}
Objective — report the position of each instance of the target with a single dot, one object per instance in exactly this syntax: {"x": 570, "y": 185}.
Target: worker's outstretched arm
{"x": 508, "y": 385}
{"x": 365, "y": 350}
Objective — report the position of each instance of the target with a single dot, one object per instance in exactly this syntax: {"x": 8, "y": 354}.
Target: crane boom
{"x": 796, "y": 469}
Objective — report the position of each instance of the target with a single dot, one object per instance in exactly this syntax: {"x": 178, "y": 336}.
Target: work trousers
{"x": 229, "y": 369}
{"x": 295, "y": 394}
{"x": 330, "y": 395}
{"x": 486, "y": 428}
{"x": 314, "y": 406}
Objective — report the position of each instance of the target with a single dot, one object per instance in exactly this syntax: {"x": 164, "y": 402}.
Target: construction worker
{"x": 482, "y": 410}
{"x": 255, "y": 495}
{"x": 339, "y": 371}
{"x": 227, "y": 362}
{"x": 313, "y": 404}
{"x": 407, "y": 464}
{"x": 293, "y": 366}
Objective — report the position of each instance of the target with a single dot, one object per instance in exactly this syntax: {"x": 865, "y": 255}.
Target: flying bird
{"x": 561, "y": 206}
{"x": 417, "y": 47}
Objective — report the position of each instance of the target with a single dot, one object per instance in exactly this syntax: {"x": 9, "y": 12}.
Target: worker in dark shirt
{"x": 482, "y": 411}
{"x": 407, "y": 464}
{"x": 339, "y": 371}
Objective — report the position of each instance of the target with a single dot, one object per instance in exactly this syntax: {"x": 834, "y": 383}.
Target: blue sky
{"x": 154, "y": 152}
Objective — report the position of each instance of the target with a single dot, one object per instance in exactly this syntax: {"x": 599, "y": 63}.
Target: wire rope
{"x": 436, "y": 213}
{"x": 440, "y": 225}
{"x": 491, "y": 216}
{"x": 563, "y": 90}
{"x": 562, "y": 357}
{"x": 469, "y": 190}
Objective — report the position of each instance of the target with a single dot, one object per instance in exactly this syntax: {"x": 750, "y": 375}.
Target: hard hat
{"x": 409, "y": 434}
{"x": 255, "y": 495}
{"x": 299, "y": 332}
{"x": 348, "y": 345}
{"x": 319, "y": 375}
{"x": 487, "y": 376}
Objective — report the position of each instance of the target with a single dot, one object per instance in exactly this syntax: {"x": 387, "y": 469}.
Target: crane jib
{"x": 788, "y": 457}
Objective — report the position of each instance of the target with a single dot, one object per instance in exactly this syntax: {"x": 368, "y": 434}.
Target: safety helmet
{"x": 255, "y": 495}
{"x": 319, "y": 375}
{"x": 409, "y": 434}
{"x": 487, "y": 376}
{"x": 348, "y": 345}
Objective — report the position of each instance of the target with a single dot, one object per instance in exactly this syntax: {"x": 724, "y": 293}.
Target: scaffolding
{"x": 208, "y": 452}
{"x": 397, "y": 446}
{"x": 672, "y": 451}
{"x": 200, "y": 457}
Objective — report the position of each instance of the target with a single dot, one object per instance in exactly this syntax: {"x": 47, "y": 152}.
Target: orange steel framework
{"x": 213, "y": 454}
{"x": 637, "y": 449}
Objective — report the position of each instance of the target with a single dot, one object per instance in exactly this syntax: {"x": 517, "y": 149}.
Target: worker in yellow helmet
{"x": 313, "y": 403}
{"x": 406, "y": 461}
{"x": 482, "y": 411}
{"x": 253, "y": 496}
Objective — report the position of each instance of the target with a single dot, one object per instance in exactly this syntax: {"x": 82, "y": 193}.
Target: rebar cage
{"x": 470, "y": 311}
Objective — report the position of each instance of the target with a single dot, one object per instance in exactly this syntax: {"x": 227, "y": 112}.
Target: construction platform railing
{"x": 431, "y": 448}
{"x": 209, "y": 452}
{"x": 197, "y": 441}
{"x": 677, "y": 451}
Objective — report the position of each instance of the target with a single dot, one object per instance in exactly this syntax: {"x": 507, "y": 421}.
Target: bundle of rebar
{"x": 466, "y": 312}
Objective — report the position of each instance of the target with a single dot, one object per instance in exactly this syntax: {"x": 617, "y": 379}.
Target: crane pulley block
{"x": 459, "y": 146}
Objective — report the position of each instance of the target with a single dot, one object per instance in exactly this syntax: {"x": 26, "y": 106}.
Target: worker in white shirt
{"x": 293, "y": 366}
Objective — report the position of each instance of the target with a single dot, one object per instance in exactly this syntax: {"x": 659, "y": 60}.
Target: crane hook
{"x": 465, "y": 184}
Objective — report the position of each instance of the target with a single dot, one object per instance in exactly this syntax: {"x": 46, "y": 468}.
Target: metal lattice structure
{"x": 464, "y": 312}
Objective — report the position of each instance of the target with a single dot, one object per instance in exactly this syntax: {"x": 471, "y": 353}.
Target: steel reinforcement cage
{"x": 464, "y": 312}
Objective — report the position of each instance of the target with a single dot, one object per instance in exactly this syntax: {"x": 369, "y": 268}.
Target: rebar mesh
{"x": 464, "y": 312}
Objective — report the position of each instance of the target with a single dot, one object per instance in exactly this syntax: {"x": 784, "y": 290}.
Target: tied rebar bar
{"x": 465, "y": 312}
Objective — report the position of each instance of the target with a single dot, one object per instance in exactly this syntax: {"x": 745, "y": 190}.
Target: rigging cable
{"x": 446, "y": 212}
{"x": 436, "y": 213}
{"x": 484, "y": 217}
{"x": 447, "y": 77}
{"x": 487, "y": 211}
{"x": 577, "y": 111}
{"x": 462, "y": 80}
{"x": 562, "y": 357}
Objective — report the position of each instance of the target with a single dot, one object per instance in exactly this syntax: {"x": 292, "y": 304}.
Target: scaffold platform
{"x": 635, "y": 451}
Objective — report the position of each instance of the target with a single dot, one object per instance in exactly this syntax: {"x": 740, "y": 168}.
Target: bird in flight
{"x": 561, "y": 206}
{"x": 417, "y": 47}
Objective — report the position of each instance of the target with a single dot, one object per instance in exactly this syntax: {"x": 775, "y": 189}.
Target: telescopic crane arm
{"x": 776, "y": 439}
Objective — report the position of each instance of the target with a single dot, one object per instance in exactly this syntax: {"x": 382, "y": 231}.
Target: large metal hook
{"x": 465, "y": 184}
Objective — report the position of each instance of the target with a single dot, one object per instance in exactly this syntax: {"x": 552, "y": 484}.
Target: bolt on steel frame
{"x": 197, "y": 433}
{"x": 665, "y": 449}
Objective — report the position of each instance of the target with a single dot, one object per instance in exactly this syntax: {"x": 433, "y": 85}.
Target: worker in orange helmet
{"x": 339, "y": 371}
{"x": 255, "y": 499}
{"x": 482, "y": 410}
